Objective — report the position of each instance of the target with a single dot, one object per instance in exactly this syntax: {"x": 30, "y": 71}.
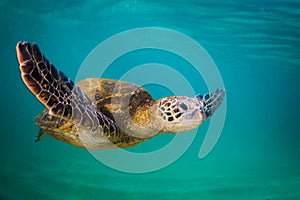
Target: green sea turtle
{"x": 99, "y": 113}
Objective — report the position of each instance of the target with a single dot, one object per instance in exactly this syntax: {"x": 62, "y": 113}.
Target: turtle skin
{"x": 73, "y": 110}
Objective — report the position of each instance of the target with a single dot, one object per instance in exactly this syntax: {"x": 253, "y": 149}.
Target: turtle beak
{"x": 195, "y": 116}
{"x": 190, "y": 121}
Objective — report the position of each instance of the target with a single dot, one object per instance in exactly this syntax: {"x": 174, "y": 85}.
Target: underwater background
{"x": 255, "y": 45}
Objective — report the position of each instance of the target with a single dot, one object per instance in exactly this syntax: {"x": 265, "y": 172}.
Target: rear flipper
{"x": 211, "y": 102}
{"x": 40, "y": 134}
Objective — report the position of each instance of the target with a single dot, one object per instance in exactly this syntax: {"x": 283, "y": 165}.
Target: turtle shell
{"x": 118, "y": 100}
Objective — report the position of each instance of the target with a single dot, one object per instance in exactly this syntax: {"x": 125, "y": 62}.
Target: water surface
{"x": 255, "y": 45}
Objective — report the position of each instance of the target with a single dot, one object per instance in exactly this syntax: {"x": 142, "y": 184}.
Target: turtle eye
{"x": 183, "y": 106}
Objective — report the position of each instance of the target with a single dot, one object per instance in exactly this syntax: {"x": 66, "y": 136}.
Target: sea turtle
{"x": 99, "y": 113}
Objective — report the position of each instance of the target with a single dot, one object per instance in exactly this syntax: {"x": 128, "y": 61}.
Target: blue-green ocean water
{"x": 255, "y": 45}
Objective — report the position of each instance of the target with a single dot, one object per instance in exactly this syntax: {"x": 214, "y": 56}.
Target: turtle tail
{"x": 211, "y": 101}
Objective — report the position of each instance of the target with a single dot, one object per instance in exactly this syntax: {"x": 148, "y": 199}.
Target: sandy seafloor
{"x": 255, "y": 45}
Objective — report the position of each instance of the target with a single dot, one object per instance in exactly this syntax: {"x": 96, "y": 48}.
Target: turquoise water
{"x": 255, "y": 45}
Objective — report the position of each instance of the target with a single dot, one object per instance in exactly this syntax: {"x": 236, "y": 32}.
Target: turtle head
{"x": 179, "y": 113}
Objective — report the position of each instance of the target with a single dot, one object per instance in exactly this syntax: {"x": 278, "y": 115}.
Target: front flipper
{"x": 211, "y": 101}
{"x": 50, "y": 86}
{"x": 58, "y": 93}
